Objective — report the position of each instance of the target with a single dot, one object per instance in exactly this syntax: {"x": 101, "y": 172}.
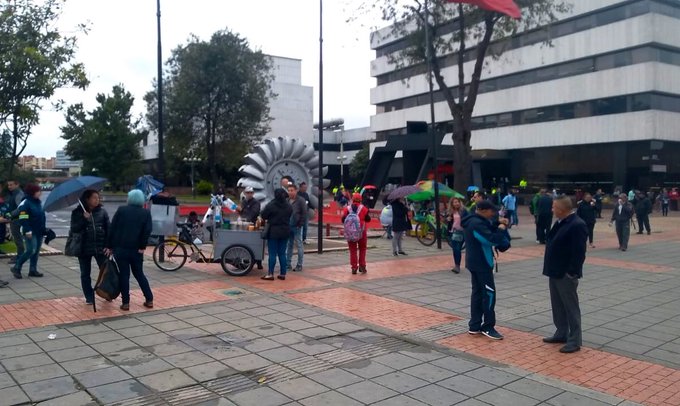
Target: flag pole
{"x": 320, "y": 205}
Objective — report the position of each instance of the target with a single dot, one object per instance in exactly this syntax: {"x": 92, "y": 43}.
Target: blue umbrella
{"x": 69, "y": 192}
{"x": 473, "y": 189}
{"x": 149, "y": 185}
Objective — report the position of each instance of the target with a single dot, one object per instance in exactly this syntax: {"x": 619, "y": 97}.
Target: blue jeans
{"x": 85, "y": 271}
{"x": 457, "y": 248}
{"x": 295, "y": 237}
{"x": 129, "y": 260}
{"x": 31, "y": 252}
{"x": 277, "y": 249}
{"x": 304, "y": 228}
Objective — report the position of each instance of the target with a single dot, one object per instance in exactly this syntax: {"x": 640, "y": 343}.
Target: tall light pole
{"x": 342, "y": 156}
{"x": 192, "y": 161}
{"x": 161, "y": 155}
{"x": 433, "y": 134}
{"x": 320, "y": 225}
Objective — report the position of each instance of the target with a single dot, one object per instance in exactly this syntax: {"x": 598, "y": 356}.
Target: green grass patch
{"x": 8, "y": 247}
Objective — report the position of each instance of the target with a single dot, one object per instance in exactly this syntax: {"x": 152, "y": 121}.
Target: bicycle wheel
{"x": 237, "y": 260}
{"x": 425, "y": 233}
{"x": 174, "y": 255}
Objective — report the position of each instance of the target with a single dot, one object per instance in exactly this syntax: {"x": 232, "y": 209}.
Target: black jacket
{"x": 626, "y": 213}
{"x": 305, "y": 196}
{"x": 565, "y": 248}
{"x": 544, "y": 205}
{"x": 278, "y": 213}
{"x": 297, "y": 218}
{"x": 400, "y": 217}
{"x": 94, "y": 230}
{"x": 130, "y": 228}
{"x": 250, "y": 210}
{"x": 587, "y": 211}
{"x": 643, "y": 206}
{"x": 481, "y": 237}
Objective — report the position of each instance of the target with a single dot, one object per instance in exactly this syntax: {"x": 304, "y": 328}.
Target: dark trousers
{"x": 482, "y": 301}
{"x": 85, "y": 273}
{"x": 277, "y": 249}
{"x": 565, "y": 309}
{"x": 598, "y": 210}
{"x": 643, "y": 222}
{"x": 664, "y": 209}
{"x": 591, "y": 231}
{"x": 457, "y": 248}
{"x": 543, "y": 223}
{"x": 623, "y": 233}
{"x": 129, "y": 260}
{"x": 15, "y": 228}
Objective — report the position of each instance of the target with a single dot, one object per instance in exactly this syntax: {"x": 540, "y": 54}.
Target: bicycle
{"x": 425, "y": 229}
{"x": 175, "y": 253}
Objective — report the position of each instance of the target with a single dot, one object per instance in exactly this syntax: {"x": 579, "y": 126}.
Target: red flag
{"x": 502, "y": 6}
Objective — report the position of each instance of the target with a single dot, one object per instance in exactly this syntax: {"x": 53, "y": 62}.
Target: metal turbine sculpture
{"x": 278, "y": 157}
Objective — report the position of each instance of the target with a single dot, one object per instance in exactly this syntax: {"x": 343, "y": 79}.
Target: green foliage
{"x": 216, "y": 96}
{"x": 36, "y": 60}
{"x": 106, "y": 138}
{"x": 486, "y": 31}
{"x": 359, "y": 164}
{"x": 204, "y": 187}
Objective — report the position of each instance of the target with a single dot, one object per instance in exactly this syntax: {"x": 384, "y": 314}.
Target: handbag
{"x": 457, "y": 235}
{"x": 264, "y": 234}
{"x": 107, "y": 285}
{"x": 74, "y": 244}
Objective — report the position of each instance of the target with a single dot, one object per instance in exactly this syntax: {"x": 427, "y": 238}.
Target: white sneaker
{"x": 305, "y": 242}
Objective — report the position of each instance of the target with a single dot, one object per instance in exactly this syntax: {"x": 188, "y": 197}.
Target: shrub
{"x": 204, "y": 187}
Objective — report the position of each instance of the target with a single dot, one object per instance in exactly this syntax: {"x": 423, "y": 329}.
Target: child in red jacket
{"x": 362, "y": 212}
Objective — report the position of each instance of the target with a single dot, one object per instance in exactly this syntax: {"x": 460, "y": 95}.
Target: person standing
{"x": 510, "y": 205}
{"x": 31, "y": 229}
{"x": 481, "y": 237}
{"x": 587, "y": 211}
{"x": 598, "y": 202}
{"x": 93, "y": 224}
{"x": 14, "y": 198}
{"x": 277, "y": 214}
{"x": 665, "y": 201}
{"x": 297, "y": 220}
{"x": 249, "y": 210}
{"x": 400, "y": 224}
{"x": 621, "y": 217}
{"x": 565, "y": 252}
{"x": 642, "y": 210}
{"x": 358, "y": 262}
{"x": 303, "y": 193}
{"x": 129, "y": 232}
{"x": 457, "y": 236}
{"x": 543, "y": 215}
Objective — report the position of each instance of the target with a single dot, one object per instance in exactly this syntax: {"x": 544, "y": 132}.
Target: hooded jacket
{"x": 481, "y": 237}
{"x": 32, "y": 217}
{"x": 278, "y": 213}
{"x": 94, "y": 230}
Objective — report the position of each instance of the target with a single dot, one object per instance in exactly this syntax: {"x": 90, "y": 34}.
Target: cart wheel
{"x": 237, "y": 260}
{"x": 174, "y": 255}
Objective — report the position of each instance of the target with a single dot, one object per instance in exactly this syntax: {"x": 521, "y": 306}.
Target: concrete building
{"x": 340, "y": 147}
{"x": 34, "y": 162}
{"x": 63, "y": 161}
{"x": 599, "y": 107}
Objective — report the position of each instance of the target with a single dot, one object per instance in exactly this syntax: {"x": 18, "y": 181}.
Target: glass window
{"x": 622, "y": 59}
{"x": 610, "y": 16}
{"x": 487, "y": 85}
{"x": 666, "y": 103}
{"x": 576, "y": 68}
{"x": 604, "y": 62}
{"x": 530, "y": 116}
{"x": 611, "y": 105}
{"x": 504, "y": 119}
{"x": 582, "y": 109}
{"x": 546, "y": 73}
{"x": 640, "y": 102}
{"x": 547, "y": 114}
{"x": 645, "y": 54}
{"x": 566, "y": 111}
{"x": 584, "y": 23}
{"x": 638, "y": 8}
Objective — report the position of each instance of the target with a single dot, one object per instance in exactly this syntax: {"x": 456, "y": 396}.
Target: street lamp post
{"x": 342, "y": 158}
{"x": 191, "y": 162}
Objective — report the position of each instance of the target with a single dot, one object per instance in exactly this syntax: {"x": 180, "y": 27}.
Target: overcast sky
{"x": 121, "y": 48}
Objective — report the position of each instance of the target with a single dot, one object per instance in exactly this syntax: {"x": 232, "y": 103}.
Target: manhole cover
{"x": 232, "y": 292}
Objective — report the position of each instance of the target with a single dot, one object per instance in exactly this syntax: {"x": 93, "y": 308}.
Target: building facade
{"x": 600, "y": 106}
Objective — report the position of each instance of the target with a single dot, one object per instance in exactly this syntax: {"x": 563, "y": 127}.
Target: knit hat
{"x": 31, "y": 189}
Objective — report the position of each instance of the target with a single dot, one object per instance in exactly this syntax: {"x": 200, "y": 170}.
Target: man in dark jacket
{"x": 587, "y": 211}
{"x": 297, "y": 221}
{"x": 250, "y": 207}
{"x": 621, "y": 216}
{"x": 303, "y": 194}
{"x": 481, "y": 237}
{"x": 565, "y": 252}
{"x": 642, "y": 210}
{"x": 543, "y": 216}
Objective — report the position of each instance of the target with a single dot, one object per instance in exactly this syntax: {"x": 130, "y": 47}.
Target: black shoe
{"x": 281, "y": 277}
{"x": 259, "y": 266}
{"x": 354, "y": 271}
{"x": 402, "y": 253}
{"x": 569, "y": 348}
{"x": 362, "y": 269}
{"x": 395, "y": 254}
{"x": 649, "y": 232}
{"x": 35, "y": 274}
{"x": 3, "y": 283}
{"x": 17, "y": 274}
{"x": 639, "y": 232}
{"x": 554, "y": 340}
{"x": 297, "y": 268}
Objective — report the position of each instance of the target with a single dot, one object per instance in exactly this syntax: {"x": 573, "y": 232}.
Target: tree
{"x": 217, "y": 101}
{"x": 36, "y": 59}
{"x": 359, "y": 163}
{"x": 106, "y": 138}
{"x": 486, "y": 31}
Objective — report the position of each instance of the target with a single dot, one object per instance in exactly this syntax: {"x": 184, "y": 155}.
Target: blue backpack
{"x": 352, "y": 225}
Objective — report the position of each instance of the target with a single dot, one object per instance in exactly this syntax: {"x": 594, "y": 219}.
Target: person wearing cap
{"x": 250, "y": 210}
{"x": 297, "y": 220}
{"x": 482, "y": 236}
{"x": 32, "y": 226}
{"x": 358, "y": 263}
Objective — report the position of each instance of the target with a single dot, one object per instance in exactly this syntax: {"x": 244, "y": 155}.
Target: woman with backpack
{"x": 354, "y": 219}
{"x": 91, "y": 220}
{"x": 400, "y": 224}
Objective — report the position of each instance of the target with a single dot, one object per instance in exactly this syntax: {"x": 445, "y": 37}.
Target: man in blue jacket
{"x": 565, "y": 252}
{"x": 482, "y": 237}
